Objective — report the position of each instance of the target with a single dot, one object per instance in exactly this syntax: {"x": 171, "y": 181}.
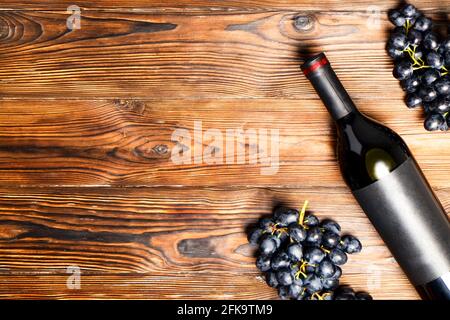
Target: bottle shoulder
{"x": 368, "y": 150}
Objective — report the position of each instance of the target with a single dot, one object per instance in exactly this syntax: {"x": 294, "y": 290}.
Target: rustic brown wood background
{"x": 86, "y": 118}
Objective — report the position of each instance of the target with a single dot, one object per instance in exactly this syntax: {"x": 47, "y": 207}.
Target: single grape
{"x": 395, "y": 53}
{"x": 271, "y": 279}
{"x": 295, "y": 290}
{"x": 337, "y": 273}
{"x": 398, "y": 41}
{"x": 286, "y": 218}
{"x": 344, "y": 296}
{"x": 312, "y": 283}
{"x": 441, "y": 105}
{"x": 430, "y": 76}
{"x": 431, "y": 41}
{"x": 297, "y": 233}
{"x": 413, "y": 100}
{"x": 330, "y": 239}
{"x": 267, "y": 246}
{"x": 310, "y": 220}
{"x": 277, "y": 237}
{"x": 353, "y": 244}
{"x": 331, "y": 225}
{"x": 435, "y": 60}
{"x": 422, "y": 24}
{"x": 295, "y": 252}
{"x": 442, "y": 86}
{"x": 338, "y": 256}
{"x": 284, "y": 277}
{"x": 263, "y": 263}
{"x": 314, "y": 255}
{"x": 345, "y": 293}
{"x": 427, "y": 93}
{"x": 411, "y": 84}
{"x": 326, "y": 268}
{"x": 363, "y": 296}
{"x": 278, "y": 211}
{"x": 314, "y": 235}
{"x": 255, "y": 236}
{"x": 403, "y": 70}
{"x": 409, "y": 11}
{"x": 396, "y": 18}
{"x": 266, "y": 224}
{"x": 330, "y": 283}
{"x": 434, "y": 121}
{"x": 414, "y": 37}
{"x": 280, "y": 260}
{"x": 283, "y": 292}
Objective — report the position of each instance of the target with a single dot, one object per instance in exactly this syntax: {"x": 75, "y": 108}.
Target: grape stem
{"x": 446, "y": 71}
{"x": 421, "y": 67}
{"x": 325, "y": 250}
{"x": 318, "y": 295}
{"x": 407, "y": 26}
{"x": 301, "y": 217}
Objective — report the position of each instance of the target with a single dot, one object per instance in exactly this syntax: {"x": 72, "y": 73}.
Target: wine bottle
{"x": 388, "y": 184}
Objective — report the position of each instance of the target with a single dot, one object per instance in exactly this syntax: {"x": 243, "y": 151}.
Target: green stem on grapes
{"x": 420, "y": 59}
{"x": 301, "y": 217}
{"x": 298, "y": 273}
{"x": 412, "y": 53}
{"x": 280, "y": 231}
{"x": 408, "y": 26}
{"x": 318, "y": 296}
{"x": 325, "y": 250}
{"x": 421, "y": 67}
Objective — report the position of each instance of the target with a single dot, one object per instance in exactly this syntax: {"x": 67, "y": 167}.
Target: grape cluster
{"x": 302, "y": 257}
{"x": 422, "y": 64}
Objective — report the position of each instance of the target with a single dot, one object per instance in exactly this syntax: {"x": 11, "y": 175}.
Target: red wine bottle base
{"x": 438, "y": 289}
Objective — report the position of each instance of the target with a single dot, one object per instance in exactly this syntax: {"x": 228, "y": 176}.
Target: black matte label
{"x": 411, "y": 221}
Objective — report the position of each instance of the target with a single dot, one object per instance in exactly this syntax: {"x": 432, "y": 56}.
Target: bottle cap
{"x": 313, "y": 63}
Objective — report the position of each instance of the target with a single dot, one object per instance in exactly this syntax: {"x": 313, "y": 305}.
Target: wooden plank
{"x": 134, "y": 5}
{"x": 167, "y": 242}
{"x": 174, "y": 286}
{"x": 187, "y": 55}
{"x": 129, "y": 142}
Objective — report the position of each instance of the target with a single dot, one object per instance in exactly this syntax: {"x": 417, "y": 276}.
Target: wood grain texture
{"x": 183, "y": 239}
{"x": 229, "y": 5}
{"x": 198, "y": 286}
{"x": 129, "y": 142}
{"x": 186, "y": 55}
{"x": 86, "y": 124}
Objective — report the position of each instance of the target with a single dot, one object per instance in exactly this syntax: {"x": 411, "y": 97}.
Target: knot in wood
{"x": 303, "y": 22}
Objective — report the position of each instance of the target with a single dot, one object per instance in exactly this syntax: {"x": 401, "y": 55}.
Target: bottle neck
{"x": 324, "y": 80}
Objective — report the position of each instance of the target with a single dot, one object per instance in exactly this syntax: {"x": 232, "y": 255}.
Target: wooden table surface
{"x": 86, "y": 123}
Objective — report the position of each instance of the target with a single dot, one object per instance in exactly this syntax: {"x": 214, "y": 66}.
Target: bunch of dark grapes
{"x": 422, "y": 64}
{"x": 302, "y": 257}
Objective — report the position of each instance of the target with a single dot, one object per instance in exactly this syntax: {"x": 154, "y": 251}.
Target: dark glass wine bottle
{"x": 388, "y": 184}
